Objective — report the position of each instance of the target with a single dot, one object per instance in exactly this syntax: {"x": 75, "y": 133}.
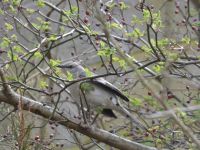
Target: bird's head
{"x": 74, "y": 68}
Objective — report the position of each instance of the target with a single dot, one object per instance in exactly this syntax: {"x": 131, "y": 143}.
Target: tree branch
{"x": 8, "y": 96}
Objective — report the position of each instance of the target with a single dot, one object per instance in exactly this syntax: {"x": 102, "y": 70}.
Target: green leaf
{"x": 136, "y": 33}
{"x": 5, "y": 1}
{"x": 186, "y": 40}
{"x": 136, "y": 20}
{"x": 146, "y": 14}
{"x": 88, "y": 72}
{"x": 157, "y": 22}
{"x": 115, "y": 25}
{"x": 16, "y": 2}
{"x": 72, "y": 12}
{"x": 52, "y": 38}
{"x": 102, "y": 44}
{"x": 157, "y": 68}
{"x": 36, "y": 26}
{"x": 38, "y": 54}
{"x": 5, "y": 42}
{"x": 196, "y": 24}
{"x": 107, "y": 51}
{"x": 54, "y": 62}
{"x": 43, "y": 84}
{"x": 135, "y": 101}
{"x": 69, "y": 76}
{"x": 40, "y": 3}
{"x": 123, "y": 5}
{"x": 30, "y": 10}
{"x": 45, "y": 26}
{"x": 86, "y": 87}
{"x": 99, "y": 110}
{"x": 1, "y": 12}
{"x": 13, "y": 57}
{"x": 18, "y": 49}
{"x": 115, "y": 59}
{"x": 14, "y": 37}
{"x": 122, "y": 63}
{"x": 163, "y": 42}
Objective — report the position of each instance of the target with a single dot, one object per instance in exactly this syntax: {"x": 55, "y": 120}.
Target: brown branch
{"x": 35, "y": 107}
{"x": 168, "y": 113}
{"x": 7, "y": 95}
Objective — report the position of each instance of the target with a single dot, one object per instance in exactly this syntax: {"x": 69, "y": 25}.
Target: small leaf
{"x": 14, "y": 37}
{"x": 123, "y": 5}
{"x": 5, "y": 42}
{"x": 37, "y": 54}
{"x": 157, "y": 68}
{"x": 99, "y": 110}
{"x": 52, "y": 38}
{"x": 43, "y": 84}
{"x": 115, "y": 25}
{"x": 13, "y": 57}
{"x": 135, "y": 101}
{"x": 69, "y": 76}
{"x": 40, "y": 3}
{"x": 18, "y": 49}
{"x": 88, "y": 72}
{"x": 146, "y": 14}
{"x": 30, "y": 11}
{"x": 87, "y": 87}
{"x": 54, "y": 63}
{"x": 186, "y": 40}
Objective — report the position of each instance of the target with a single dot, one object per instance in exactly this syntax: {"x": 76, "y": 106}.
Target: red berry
{"x": 170, "y": 96}
{"x": 194, "y": 28}
{"x": 97, "y": 24}
{"x": 51, "y": 136}
{"x": 146, "y": 134}
{"x": 183, "y": 21}
{"x": 97, "y": 43}
{"x": 87, "y": 13}
{"x": 154, "y": 130}
{"x": 61, "y": 145}
{"x": 109, "y": 18}
{"x": 37, "y": 137}
{"x": 85, "y": 20}
{"x": 194, "y": 20}
{"x": 176, "y": 11}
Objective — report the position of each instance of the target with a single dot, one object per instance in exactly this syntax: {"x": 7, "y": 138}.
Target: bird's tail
{"x": 126, "y": 113}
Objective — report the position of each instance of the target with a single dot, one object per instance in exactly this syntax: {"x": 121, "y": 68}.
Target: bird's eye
{"x": 70, "y": 66}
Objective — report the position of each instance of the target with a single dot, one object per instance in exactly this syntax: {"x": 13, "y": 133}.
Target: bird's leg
{"x": 82, "y": 109}
{"x": 95, "y": 118}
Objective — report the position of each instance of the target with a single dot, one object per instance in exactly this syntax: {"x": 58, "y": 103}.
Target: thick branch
{"x": 12, "y": 98}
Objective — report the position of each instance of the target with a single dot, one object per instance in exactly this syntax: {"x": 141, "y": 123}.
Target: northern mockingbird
{"x": 97, "y": 93}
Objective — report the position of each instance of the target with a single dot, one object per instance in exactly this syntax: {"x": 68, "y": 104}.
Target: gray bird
{"x": 97, "y": 93}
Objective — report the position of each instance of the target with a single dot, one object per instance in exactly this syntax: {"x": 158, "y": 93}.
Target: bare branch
{"x": 45, "y": 111}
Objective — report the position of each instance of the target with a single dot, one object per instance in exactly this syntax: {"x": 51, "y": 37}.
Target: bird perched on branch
{"x": 95, "y": 93}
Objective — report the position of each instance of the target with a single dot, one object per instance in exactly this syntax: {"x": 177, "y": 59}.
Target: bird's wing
{"x": 108, "y": 86}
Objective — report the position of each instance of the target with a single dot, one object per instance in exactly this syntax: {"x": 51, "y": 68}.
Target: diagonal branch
{"x": 7, "y": 95}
